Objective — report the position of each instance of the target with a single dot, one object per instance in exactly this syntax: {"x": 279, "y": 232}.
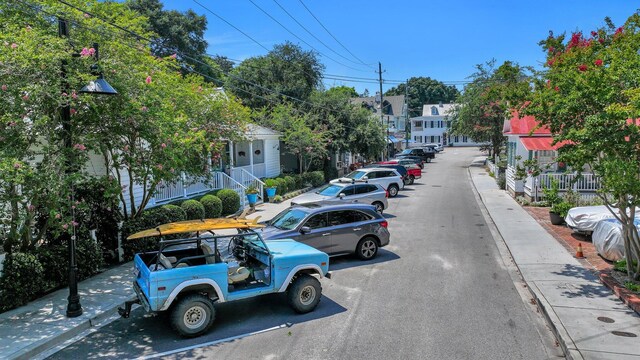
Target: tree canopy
{"x": 490, "y": 98}
{"x": 590, "y": 98}
{"x": 424, "y": 90}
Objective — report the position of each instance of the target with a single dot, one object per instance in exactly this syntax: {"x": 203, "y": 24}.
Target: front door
{"x": 320, "y": 235}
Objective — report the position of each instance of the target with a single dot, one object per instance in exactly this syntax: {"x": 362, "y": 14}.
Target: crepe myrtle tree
{"x": 589, "y": 96}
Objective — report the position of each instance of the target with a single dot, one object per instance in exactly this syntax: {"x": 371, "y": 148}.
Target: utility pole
{"x": 407, "y": 123}
{"x": 384, "y": 156}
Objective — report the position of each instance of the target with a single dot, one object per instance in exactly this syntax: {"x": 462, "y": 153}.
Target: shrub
{"x": 329, "y": 173}
{"x": 193, "y": 208}
{"x": 561, "y": 208}
{"x": 282, "y": 186}
{"x": 230, "y": 201}
{"x": 298, "y": 179}
{"x": 306, "y": 179}
{"x": 21, "y": 280}
{"x": 212, "y": 206}
{"x": 269, "y": 183}
{"x": 149, "y": 219}
{"x": 502, "y": 181}
{"x": 277, "y": 198}
{"x": 291, "y": 183}
{"x": 317, "y": 178}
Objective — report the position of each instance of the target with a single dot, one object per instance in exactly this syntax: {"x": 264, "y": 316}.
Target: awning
{"x": 392, "y": 139}
{"x": 539, "y": 143}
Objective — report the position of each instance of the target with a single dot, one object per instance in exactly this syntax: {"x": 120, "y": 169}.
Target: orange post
{"x": 579, "y": 253}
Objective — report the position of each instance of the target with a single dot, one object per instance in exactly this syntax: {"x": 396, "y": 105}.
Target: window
{"x": 349, "y": 190}
{"x": 464, "y": 139}
{"x": 546, "y": 157}
{"x": 288, "y": 220}
{"x": 418, "y": 123}
{"x": 329, "y": 190}
{"x": 346, "y": 217}
{"x": 432, "y": 124}
{"x": 434, "y": 111}
{"x": 456, "y": 139}
{"x": 317, "y": 221}
{"x": 363, "y": 189}
{"x": 383, "y": 174}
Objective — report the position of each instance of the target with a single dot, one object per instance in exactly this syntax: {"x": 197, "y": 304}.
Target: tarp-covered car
{"x": 583, "y": 219}
{"x": 607, "y": 239}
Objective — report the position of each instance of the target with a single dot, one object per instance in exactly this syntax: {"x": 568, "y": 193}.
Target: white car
{"x": 389, "y": 179}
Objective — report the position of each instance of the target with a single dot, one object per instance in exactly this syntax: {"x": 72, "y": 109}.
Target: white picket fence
{"x": 586, "y": 185}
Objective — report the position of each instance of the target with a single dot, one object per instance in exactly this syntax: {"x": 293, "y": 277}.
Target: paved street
{"x": 441, "y": 290}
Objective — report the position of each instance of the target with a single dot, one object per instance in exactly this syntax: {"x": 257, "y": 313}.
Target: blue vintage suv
{"x": 221, "y": 260}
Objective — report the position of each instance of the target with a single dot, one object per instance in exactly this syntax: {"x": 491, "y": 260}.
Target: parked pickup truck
{"x": 425, "y": 154}
{"x": 221, "y": 260}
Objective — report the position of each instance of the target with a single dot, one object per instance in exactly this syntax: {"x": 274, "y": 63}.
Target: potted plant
{"x": 252, "y": 195}
{"x": 270, "y": 188}
{"x": 558, "y": 212}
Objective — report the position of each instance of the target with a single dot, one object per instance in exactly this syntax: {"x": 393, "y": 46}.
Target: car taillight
{"x": 384, "y": 224}
{"x": 386, "y": 193}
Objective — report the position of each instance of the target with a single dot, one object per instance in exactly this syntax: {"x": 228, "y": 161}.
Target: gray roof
{"x": 442, "y": 109}
{"x": 394, "y": 103}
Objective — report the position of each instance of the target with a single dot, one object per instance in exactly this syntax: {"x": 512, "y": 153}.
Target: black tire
{"x": 379, "y": 207}
{"x": 367, "y": 248}
{"x": 411, "y": 179}
{"x": 428, "y": 160}
{"x": 192, "y": 315}
{"x": 304, "y": 293}
{"x": 393, "y": 190}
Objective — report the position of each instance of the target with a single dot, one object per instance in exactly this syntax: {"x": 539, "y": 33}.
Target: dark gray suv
{"x": 334, "y": 229}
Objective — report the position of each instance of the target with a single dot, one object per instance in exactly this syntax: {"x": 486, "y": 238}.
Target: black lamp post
{"x": 98, "y": 86}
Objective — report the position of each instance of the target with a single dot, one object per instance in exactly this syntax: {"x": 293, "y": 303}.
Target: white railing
{"x": 258, "y": 171}
{"x": 585, "y": 184}
{"x": 183, "y": 189}
{"x": 246, "y": 179}
{"x": 169, "y": 192}
{"x": 510, "y": 177}
{"x": 227, "y": 182}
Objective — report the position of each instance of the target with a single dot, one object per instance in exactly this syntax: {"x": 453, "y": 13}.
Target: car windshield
{"x": 406, "y": 152}
{"x": 288, "y": 219}
{"x": 330, "y": 190}
{"x": 356, "y": 175}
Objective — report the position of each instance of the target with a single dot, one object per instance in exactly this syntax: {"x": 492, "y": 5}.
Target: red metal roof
{"x": 540, "y": 143}
{"x": 524, "y": 126}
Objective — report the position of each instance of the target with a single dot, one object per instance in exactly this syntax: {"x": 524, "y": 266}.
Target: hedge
{"x": 149, "y": 219}
{"x": 230, "y": 201}
{"x": 21, "y": 280}
{"x": 194, "y": 209}
{"x": 212, "y": 206}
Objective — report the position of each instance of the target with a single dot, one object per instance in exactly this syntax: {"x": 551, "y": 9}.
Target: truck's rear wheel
{"x": 193, "y": 315}
{"x": 304, "y": 293}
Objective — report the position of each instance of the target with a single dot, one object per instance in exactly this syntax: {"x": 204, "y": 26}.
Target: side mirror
{"x": 365, "y": 178}
{"x": 305, "y": 230}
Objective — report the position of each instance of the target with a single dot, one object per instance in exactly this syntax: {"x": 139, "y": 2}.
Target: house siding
{"x": 272, "y": 157}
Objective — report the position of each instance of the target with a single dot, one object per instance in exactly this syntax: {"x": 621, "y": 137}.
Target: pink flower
{"x": 594, "y": 34}
{"x": 73, "y": 111}
{"x": 14, "y": 45}
{"x": 74, "y": 223}
{"x": 556, "y": 89}
{"x": 31, "y": 207}
{"x": 87, "y": 52}
{"x": 17, "y": 165}
{"x": 28, "y": 28}
{"x": 598, "y": 62}
{"x": 126, "y": 148}
{"x": 58, "y": 216}
{"x": 550, "y": 62}
{"x": 65, "y": 226}
{"x": 4, "y": 87}
{"x": 74, "y": 95}
{"x": 172, "y": 170}
{"x": 80, "y": 147}
{"x": 12, "y": 124}
{"x": 25, "y": 97}
{"x": 73, "y": 207}
{"x": 582, "y": 67}
{"x": 174, "y": 56}
{"x": 144, "y": 109}
{"x": 64, "y": 94}
{"x": 618, "y": 31}
{"x": 159, "y": 166}
{"x": 86, "y": 16}
{"x": 148, "y": 79}
{"x": 163, "y": 145}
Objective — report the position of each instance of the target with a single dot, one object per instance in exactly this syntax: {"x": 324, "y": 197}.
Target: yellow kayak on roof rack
{"x": 197, "y": 225}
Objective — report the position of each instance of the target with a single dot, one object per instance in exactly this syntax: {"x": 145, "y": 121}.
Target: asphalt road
{"x": 442, "y": 289}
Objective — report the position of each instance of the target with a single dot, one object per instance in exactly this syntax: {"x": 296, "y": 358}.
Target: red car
{"x": 413, "y": 170}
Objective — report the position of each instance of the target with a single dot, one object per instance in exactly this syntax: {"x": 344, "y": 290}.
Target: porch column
{"x": 251, "y": 156}
{"x": 231, "y": 154}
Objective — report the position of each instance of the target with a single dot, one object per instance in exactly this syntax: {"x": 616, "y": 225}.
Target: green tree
{"x": 424, "y": 90}
{"x": 590, "y": 98}
{"x": 490, "y": 98}
{"x": 287, "y": 69}
{"x": 346, "y": 91}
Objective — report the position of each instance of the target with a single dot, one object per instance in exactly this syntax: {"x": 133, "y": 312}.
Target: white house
{"x": 393, "y": 117}
{"x": 433, "y": 127}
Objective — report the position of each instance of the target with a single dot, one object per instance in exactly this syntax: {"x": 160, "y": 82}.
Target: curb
{"x": 628, "y": 297}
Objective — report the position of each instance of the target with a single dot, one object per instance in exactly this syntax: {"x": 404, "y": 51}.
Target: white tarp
{"x": 585, "y": 218}
{"x": 607, "y": 239}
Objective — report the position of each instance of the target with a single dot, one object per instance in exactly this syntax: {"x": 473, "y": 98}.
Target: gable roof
{"x": 526, "y": 125}
{"x": 541, "y": 143}
{"x": 443, "y": 109}
{"x": 395, "y": 104}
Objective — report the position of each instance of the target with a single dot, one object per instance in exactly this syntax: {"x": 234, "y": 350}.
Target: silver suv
{"x": 389, "y": 179}
{"x": 343, "y": 193}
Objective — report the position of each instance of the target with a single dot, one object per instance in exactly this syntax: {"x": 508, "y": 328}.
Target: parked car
{"x": 436, "y": 147}
{"x": 390, "y": 179}
{"x": 413, "y": 171}
{"x": 425, "y": 154}
{"x": 333, "y": 229}
{"x": 583, "y": 219}
{"x": 399, "y": 168}
{"x": 187, "y": 277}
{"x": 343, "y": 193}
{"x": 412, "y": 160}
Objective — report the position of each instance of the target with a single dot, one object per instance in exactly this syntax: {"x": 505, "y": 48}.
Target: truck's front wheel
{"x": 304, "y": 293}
{"x": 193, "y": 315}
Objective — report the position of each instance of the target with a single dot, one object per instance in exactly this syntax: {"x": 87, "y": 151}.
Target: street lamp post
{"x": 98, "y": 86}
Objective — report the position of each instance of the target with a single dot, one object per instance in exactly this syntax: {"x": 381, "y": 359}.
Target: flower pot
{"x": 556, "y": 219}
{"x": 252, "y": 198}
{"x": 271, "y": 192}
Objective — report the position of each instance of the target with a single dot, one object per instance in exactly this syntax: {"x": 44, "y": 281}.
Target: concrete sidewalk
{"x": 31, "y": 331}
{"x": 589, "y": 320}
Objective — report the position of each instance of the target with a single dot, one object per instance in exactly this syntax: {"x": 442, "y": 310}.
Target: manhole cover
{"x": 436, "y": 185}
{"x": 482, "y": 173}
{"x": 509, "y": 208}
{"x": 479, "y": 224}
{"x": 606, "y": 319}
{"x": 624, "y": 333}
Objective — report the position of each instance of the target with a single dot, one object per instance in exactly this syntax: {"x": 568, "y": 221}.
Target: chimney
{"x": 440, "y": 104}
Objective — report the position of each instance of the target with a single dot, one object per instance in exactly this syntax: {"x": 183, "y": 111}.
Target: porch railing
{"x": 246, "y": 179}
{"x": 510, "y": 177}
{"x": 586, "y": 184}
{"x": 186, "y": 188}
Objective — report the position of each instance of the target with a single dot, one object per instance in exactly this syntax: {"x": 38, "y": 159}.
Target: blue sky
{"x": 436, "y": 38}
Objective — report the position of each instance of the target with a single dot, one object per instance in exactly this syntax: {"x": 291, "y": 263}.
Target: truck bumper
{"x": 143, "y": 299}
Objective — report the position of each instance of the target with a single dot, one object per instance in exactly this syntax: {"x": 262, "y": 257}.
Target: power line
{"x": 329, "y": 32}
{"x": 310, "y": 33}
{"x": 299, "y": 38}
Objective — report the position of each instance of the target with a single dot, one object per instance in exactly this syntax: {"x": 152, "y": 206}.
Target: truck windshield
{"x": 288, "y": 219}
{"x": 329, "y": 190}
{"x": 356, "y": 175}
{"x": 406, "y": 152}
